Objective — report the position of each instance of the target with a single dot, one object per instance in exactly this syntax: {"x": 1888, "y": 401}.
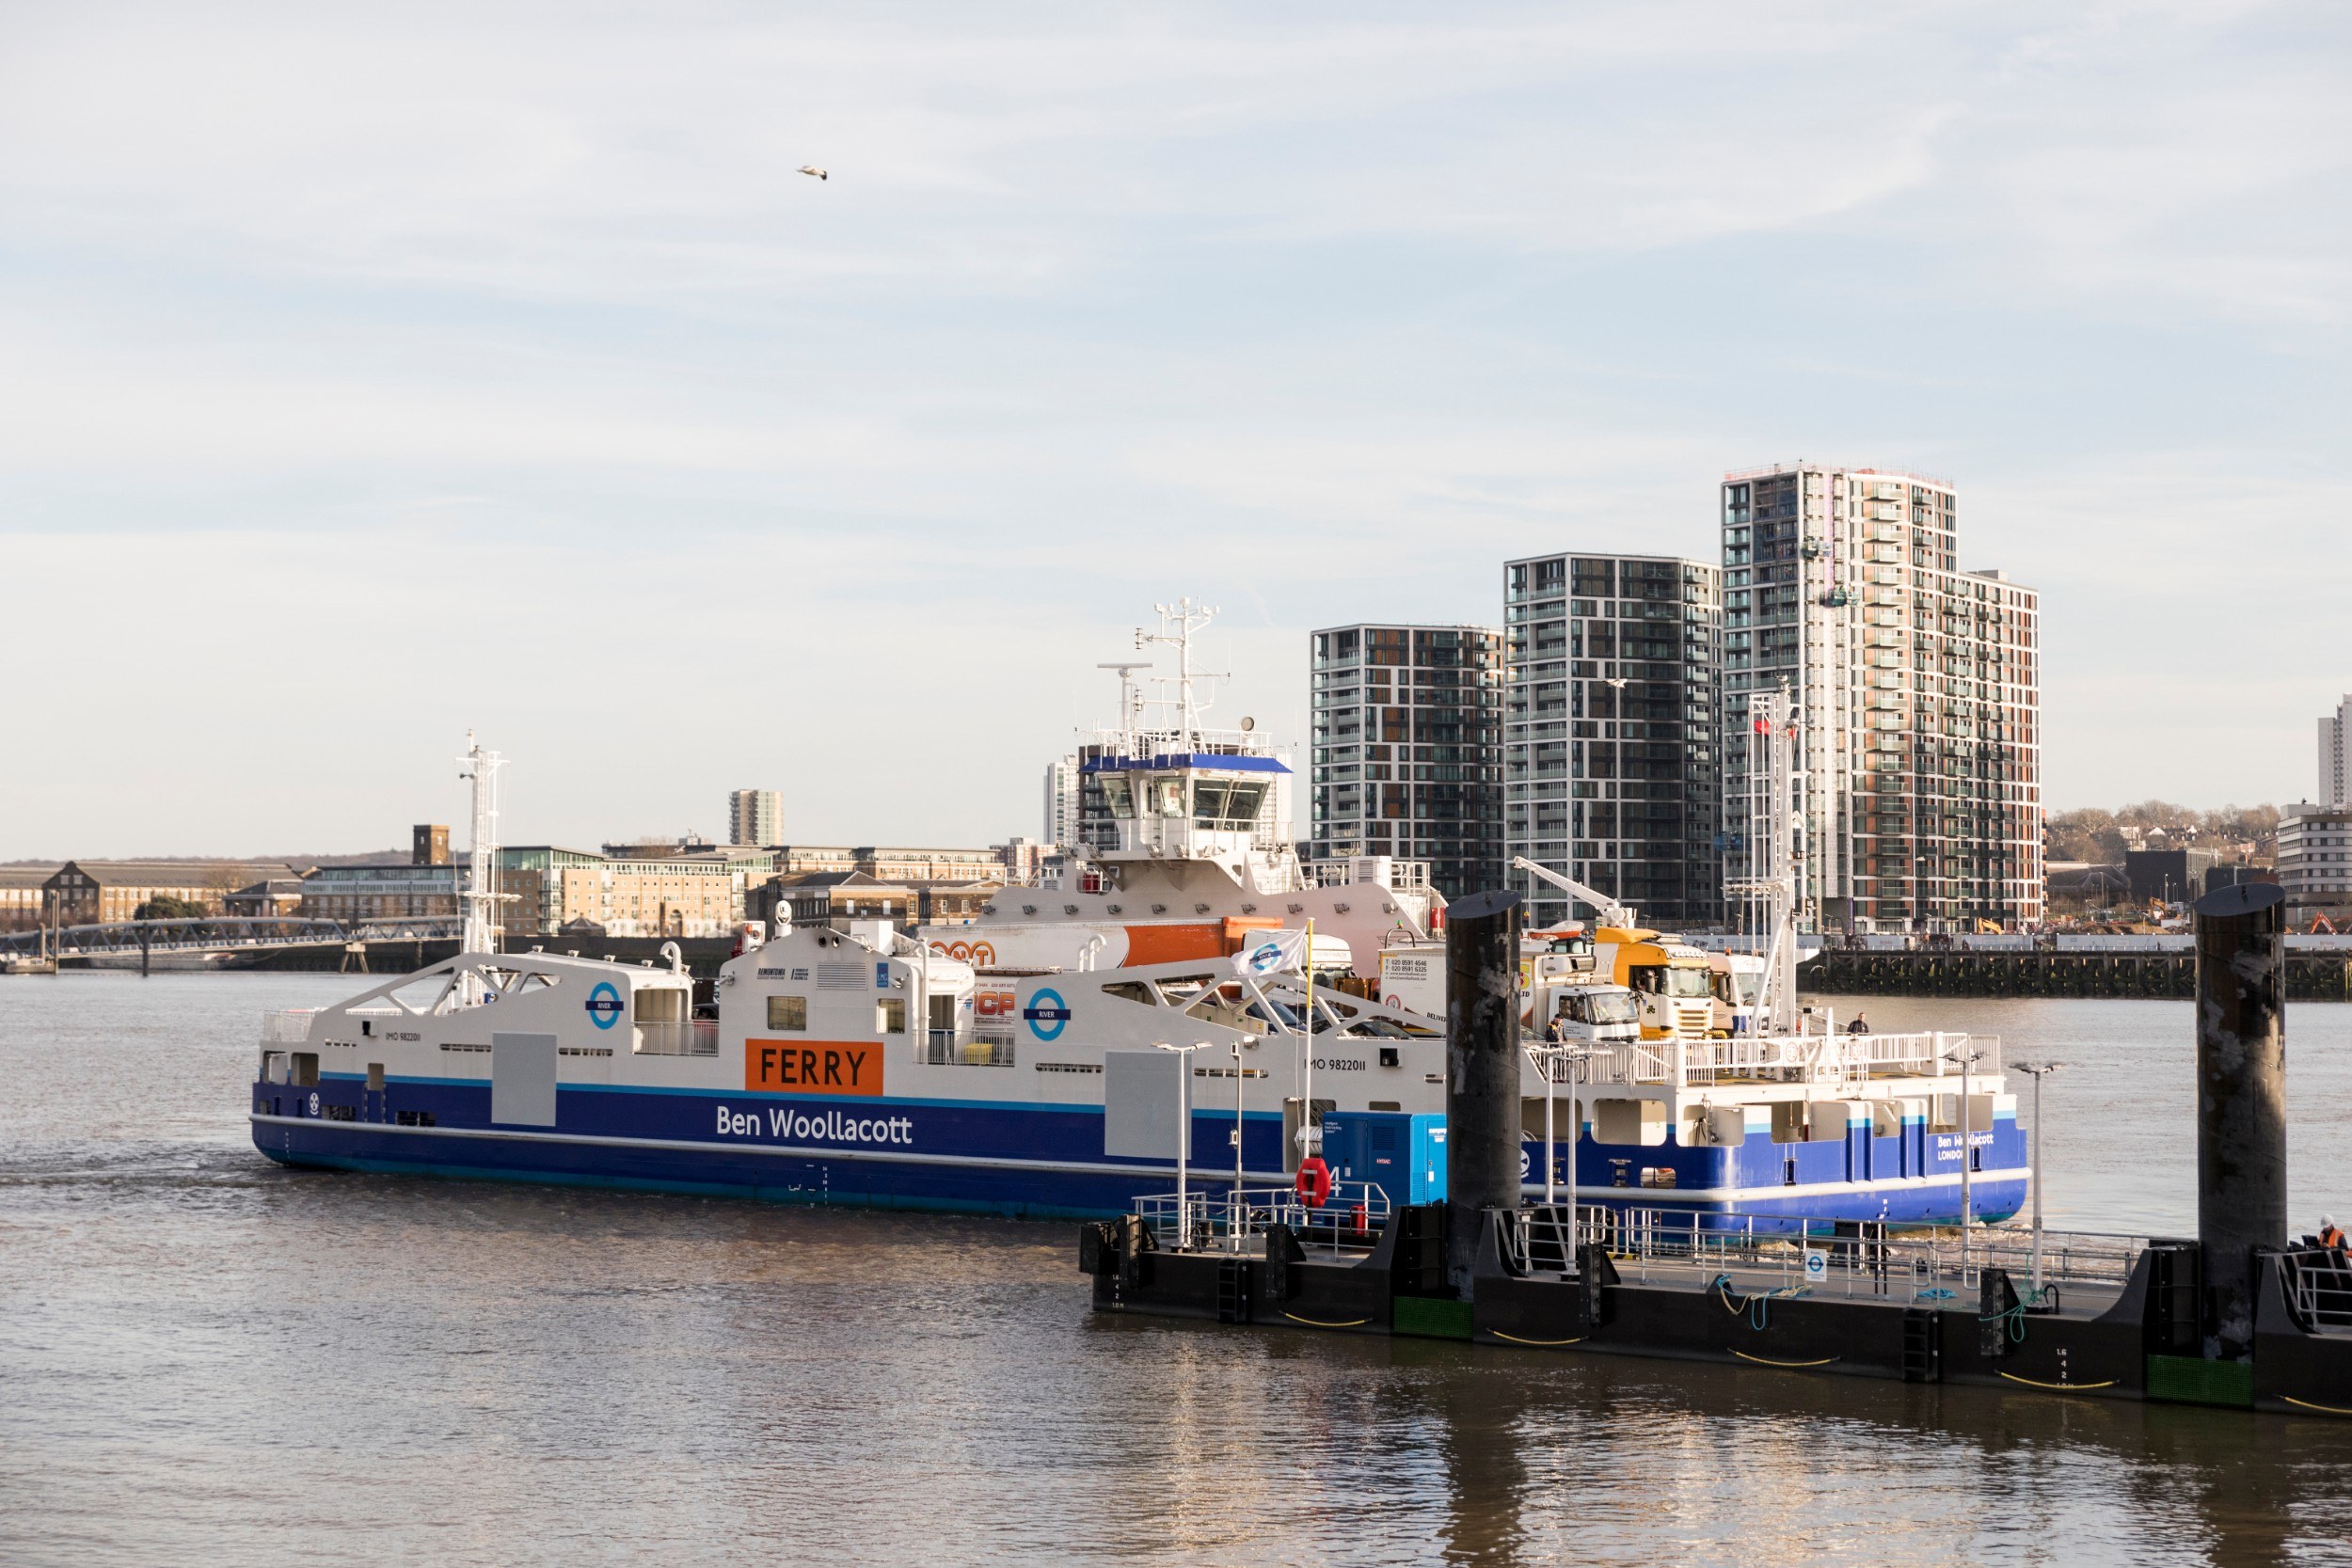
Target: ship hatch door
{"x": 522, "y": 1079}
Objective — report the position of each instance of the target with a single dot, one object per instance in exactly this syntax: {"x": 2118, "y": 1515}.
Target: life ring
{"x": 1314, "y": 1181}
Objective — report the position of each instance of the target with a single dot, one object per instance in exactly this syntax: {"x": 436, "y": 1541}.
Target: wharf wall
{"x": 2310, "y": 976}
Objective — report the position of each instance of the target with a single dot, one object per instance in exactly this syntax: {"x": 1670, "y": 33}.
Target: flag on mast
{"x": 1272, "y": 953}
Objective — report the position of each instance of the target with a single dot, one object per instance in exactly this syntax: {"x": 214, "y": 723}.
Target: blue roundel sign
{"x": 1266, "y": 958}
{"x": 1047, "y": 1013}
{"x": 604, "y": 1004}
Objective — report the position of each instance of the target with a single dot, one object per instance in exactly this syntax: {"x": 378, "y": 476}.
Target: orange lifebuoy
{"x": 1314, "y": 1181}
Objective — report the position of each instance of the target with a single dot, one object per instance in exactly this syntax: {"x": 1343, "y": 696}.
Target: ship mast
{"x": 1769, "y": 885}
{"x": 478, "y": 934}
{"x": 1177, "y": 621}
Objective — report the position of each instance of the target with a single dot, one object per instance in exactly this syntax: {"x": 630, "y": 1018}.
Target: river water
{"x": 207, "y": 1359}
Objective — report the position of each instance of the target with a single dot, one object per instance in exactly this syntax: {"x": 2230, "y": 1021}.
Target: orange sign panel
{"x": 813, "y": 1066}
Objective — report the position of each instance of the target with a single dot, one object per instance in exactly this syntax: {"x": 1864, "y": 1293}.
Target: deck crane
{"x": 1606, "y": 910}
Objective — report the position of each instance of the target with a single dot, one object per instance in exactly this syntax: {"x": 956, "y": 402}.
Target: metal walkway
{"x": 218, "y": 935}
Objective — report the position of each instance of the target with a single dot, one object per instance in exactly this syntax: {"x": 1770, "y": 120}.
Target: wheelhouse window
{"x": 1119, "y": 796}
{"x": 788, "y": 1012}
{"x": 1231, "y": 806}
{"x": 1168, "y": 797}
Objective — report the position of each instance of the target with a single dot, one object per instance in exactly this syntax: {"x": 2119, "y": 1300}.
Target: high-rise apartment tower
{"x": 1063, "y": 786}
{"x": 1408, "y": 749}
{"x": 1918, "y": 693}
{"x": 754, "y": 816}
{"x": 2335, "y": 756}
{"x": 1610, "y": 774}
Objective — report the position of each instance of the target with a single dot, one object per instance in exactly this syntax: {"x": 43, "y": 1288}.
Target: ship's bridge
{"x": 1186, "y": 806}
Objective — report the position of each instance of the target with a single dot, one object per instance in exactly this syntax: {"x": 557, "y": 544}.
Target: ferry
{"x": 1185, "y": 1005}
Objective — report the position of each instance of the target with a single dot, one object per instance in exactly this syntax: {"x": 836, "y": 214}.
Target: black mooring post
{"x": 1481, "y": 1059}
{"x": 2241, "y": 1103}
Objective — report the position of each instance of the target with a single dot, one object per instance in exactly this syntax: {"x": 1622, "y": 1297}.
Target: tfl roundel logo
{"x": 604, "y": 1005}
{"x": 1047, "y": 1013}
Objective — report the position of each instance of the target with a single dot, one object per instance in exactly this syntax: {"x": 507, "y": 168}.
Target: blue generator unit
{"x": 1403, "y": 1154}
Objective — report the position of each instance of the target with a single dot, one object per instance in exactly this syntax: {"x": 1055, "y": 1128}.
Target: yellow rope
{"x": 1517, "y": 1341}
{"x": 2323, "y": 1409}
{"x": 1313, "y": 1322}
{"x": 2062, "y": 1387}
{"x": 1763, "y": 1361}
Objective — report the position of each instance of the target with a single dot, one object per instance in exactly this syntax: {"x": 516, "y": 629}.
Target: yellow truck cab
{"x": 1671, "y": 978}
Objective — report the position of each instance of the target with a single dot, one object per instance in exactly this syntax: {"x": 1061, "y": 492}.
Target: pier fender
{"x": 1135, "y": 1244}
{"x": 1530, "y": 1311}
{"x": 2000, "y": 1315}
{"x": 1098, "y": 1249}
{"x": 2295, "y": 1371}
{"x": 1278, "y": 1280}
{"x": 1594, "y": 1275}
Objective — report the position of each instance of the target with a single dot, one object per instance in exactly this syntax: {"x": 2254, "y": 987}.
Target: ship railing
{"x": 2319, "y": 1287}
{"x": 286, "y": 1025}
{"x": 1921, "y": 1264}
{"x": 1349, "y": 1220}
{"x": 1831, "y": 1059}
{"x": 689, "y": 1037}
{"x": 984, "y": 1047}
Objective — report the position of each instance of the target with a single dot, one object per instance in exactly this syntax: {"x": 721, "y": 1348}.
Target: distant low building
{"x": 424, "y": 887}
{"x": 382, "y": 889}
{"x": 815, "y": 897}
{"x": 272, "y": 898}
{"x": 2235, "y": 876}
{"x": 20, "y": 895}
{"x": 1024, "y": 859}
{"x": 87, "y": 892}
{"x": 2315, "y": 857}
{"x": 2167, "y": 876}
{"x": 2082, "y": 882}
{"x": 892, "y": 863}
{"x": 691, "y": 890}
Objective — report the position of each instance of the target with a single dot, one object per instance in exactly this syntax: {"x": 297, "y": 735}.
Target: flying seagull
{"x": 812, "y": 169}
{"x": 1618, "y": 681}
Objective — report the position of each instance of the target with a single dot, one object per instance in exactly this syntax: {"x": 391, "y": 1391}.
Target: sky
{"x": 376, "y": 374}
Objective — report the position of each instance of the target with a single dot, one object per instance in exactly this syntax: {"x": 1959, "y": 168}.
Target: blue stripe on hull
{"x": 937, "y": 1162}
{"x": 942, "y": 1188}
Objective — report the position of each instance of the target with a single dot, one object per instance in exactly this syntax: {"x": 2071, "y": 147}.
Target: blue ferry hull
{"x": 1041, "y": 1160}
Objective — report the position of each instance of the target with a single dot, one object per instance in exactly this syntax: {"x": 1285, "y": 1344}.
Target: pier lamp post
{"x": 2038, "y": 1072}
{"x": 1550, "y": 1057}
{"x": 1967, "y": 1059}
{"x": 1183, "y": 1130}
{"x": 1241, "y": 1075}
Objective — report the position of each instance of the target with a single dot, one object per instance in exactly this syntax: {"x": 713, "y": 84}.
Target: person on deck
{"x": 2331, "y": 1235}
{"x": 1860, "y": 1025}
